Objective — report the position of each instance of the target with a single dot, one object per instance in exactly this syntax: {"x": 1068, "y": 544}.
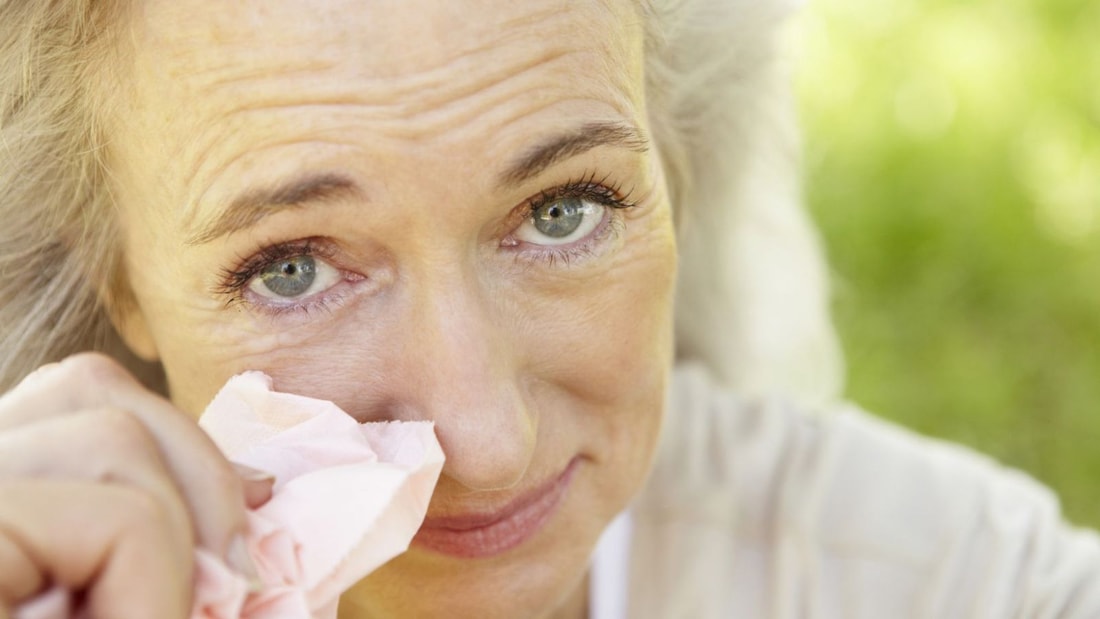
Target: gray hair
{"x": 752, "y": 302}
{"x": 752, "y": 296}
{"x": 58, "y": 240}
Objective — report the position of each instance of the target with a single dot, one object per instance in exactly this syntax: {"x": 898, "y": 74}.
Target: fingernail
{"x": 248, "y": 473}
{"x": 257, "y": 493}
{"x": 238, "y": 558}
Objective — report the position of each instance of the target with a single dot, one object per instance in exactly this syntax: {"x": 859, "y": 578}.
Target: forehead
{"x": 370, "y": 38}
{"x": 213, "y": 81}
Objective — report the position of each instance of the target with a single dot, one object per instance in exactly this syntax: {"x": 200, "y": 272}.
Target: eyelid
{"x": 233, "y": 281}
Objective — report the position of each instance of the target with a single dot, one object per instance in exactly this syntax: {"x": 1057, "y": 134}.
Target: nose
{"x": 455, "y": 365}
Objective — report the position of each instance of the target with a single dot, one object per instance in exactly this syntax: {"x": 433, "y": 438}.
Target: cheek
{"x": 610, "y": 363}
{"x": 198, "y": 366}
{"x": 610, "y": 337}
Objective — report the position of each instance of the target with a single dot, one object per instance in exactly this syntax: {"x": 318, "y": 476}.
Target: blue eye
{"x": 561, "y": 221}
{"x": 293, "y": 277}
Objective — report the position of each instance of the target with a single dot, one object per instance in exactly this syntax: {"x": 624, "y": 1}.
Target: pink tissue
{"x": 347, "y": 498}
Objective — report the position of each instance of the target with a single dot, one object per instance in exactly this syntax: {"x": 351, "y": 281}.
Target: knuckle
{"x": 120, "y": 431}
{"x": 143, "y": 512}
{"x": 93, "y": 369}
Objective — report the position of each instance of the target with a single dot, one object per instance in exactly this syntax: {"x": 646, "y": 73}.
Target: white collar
{"x": 609, "y": 575}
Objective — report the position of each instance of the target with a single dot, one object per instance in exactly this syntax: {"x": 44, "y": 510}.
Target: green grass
{"x": 953, "y": 161}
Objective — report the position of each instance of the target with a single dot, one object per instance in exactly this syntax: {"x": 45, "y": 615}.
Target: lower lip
{"x": 480, "y": 536}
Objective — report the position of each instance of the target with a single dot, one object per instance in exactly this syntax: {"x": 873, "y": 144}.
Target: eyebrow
{"x": 249, "y": 208}
{"x": 558, "y": 148}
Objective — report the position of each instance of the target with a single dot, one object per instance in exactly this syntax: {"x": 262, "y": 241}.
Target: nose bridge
{"x": 467, "y": 379}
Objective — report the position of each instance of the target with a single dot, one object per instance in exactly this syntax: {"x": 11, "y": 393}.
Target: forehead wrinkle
{"x": 448, "y": 95}
{"x": 253, "y": 70}
{"x": 414, "y": 96}
{"x": 201, "y": 154}
{"x": 443, "y": 91}
{"x": 423, "y": 103}
{"x": 192, "y": 208}
{"x": 435, "y": 85}
{"x": 410, "y": 122}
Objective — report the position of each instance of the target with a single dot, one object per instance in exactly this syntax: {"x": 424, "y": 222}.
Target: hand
{"x": 106, "y": 489}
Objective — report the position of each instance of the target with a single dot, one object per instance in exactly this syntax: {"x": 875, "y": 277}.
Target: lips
{"x": 485, "y": 534}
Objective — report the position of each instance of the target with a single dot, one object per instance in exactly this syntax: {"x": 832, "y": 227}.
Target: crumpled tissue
{"x": 347, "y": 498}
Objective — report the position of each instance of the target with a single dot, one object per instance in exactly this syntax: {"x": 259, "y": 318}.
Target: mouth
{"x": 487, "y": 534}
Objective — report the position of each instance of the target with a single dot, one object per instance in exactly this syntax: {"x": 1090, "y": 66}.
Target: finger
{"x": 103, "y": 446}
{"x": 38, "y": 373}
{"x": 115, "y": 548}
{"x": 78, "y": 383}
{"x": 257, "y": 484}
{"x": 17, "y": 584}
{"x": 211, "y": 489}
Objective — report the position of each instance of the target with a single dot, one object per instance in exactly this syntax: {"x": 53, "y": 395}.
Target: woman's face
{"x": 419, "y": 210}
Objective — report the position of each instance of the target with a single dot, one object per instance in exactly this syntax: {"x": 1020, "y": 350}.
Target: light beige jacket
{"x": 762, "y": 511}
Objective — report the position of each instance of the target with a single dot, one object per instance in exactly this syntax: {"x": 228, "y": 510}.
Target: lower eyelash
{"x": 326, "y": 303}
{"x": 566, "y": 255}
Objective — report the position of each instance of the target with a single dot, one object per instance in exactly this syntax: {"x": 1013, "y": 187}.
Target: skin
{"x": 445, "y": 305}
{"x": 104, "y": 484}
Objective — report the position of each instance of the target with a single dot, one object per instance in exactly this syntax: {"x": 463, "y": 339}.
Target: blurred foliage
{"x": 953, "y": 161}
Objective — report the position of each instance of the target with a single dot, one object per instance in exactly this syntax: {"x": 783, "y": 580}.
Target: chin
{"x": 420, "y": 584}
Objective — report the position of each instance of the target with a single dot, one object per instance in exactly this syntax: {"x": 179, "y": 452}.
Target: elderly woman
{"x": 470, "y": 213}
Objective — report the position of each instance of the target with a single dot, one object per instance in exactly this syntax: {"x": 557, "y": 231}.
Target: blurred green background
{"x": 953, "y": 160}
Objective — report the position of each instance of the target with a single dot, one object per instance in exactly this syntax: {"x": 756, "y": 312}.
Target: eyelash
{"x": 234, "y": 281}
{"x": 589, "y": 188}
